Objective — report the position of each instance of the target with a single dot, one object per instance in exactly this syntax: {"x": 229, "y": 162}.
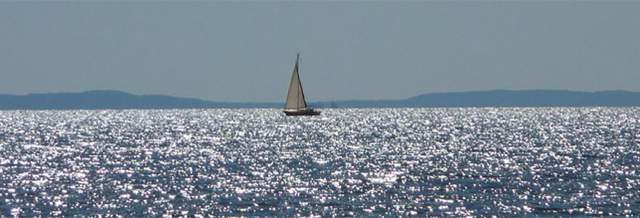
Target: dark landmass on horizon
{"x": 108, "y": 99}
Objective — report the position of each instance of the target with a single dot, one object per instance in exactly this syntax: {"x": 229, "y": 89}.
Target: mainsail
{"x": 295, "y": 96}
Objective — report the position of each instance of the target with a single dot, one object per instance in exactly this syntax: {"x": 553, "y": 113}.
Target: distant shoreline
{"x": 109, "y": 99}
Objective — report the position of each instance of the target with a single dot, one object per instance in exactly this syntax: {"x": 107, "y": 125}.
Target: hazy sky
{"x": 350, "y": 50}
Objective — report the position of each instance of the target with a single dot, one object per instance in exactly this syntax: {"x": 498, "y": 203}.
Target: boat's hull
{"x": 302, "y": 113}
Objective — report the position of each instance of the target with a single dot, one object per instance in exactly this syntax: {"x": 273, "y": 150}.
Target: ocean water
{"x": 346, "y": 162}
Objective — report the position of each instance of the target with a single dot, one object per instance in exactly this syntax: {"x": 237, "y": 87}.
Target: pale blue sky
{"x": 350, "y": 50}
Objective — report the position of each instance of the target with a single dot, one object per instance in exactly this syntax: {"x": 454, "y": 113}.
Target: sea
{"x": 413, "y": 162}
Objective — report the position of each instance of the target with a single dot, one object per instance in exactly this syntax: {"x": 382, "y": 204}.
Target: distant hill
{"x": 507, "y": 98}
{"x": 107, "y": 99}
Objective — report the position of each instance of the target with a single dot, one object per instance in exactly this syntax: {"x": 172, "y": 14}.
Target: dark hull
{"x": 302, "y": 113}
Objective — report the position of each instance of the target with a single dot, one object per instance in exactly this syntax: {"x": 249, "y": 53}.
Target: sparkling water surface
{"x": 346, "y": 162}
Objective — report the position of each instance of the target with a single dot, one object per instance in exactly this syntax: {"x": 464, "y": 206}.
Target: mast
{"x": 304, "y": 101}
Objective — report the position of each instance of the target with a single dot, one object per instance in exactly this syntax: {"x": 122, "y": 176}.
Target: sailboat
{"x": 296, "y": 104}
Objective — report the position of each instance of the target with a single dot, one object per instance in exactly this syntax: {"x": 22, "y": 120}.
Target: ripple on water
{"x": 347, "y": 162}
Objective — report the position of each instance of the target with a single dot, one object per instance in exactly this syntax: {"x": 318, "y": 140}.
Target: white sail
{"x": 295, "y": 96}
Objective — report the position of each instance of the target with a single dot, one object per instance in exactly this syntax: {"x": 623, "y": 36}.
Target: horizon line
{"x": 270, "y": 102}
